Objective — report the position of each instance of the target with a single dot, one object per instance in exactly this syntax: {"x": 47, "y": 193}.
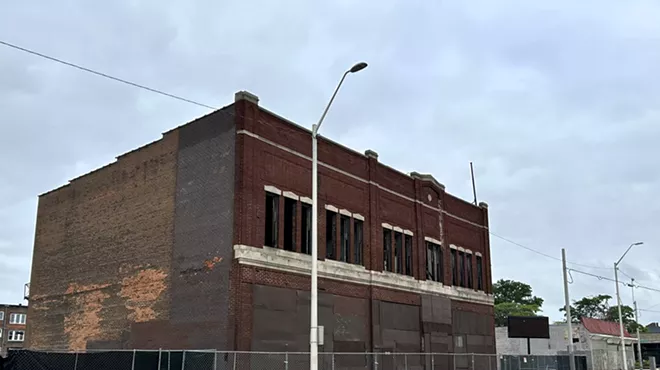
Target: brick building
{"x": 201, "y": 240}
{"x": 13, "y": 319}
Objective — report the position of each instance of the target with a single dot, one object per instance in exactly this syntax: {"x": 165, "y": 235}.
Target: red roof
{"x": 595, "y": 326}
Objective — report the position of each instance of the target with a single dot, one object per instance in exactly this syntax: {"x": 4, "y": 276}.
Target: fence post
{"x": 473, "y": 362}
{"x": 286, "y": 360}
{"x": 234, "y": 365}
{"x": 133, "y": 361}
{"x": 405, "y": 361}
{"x": 333, "y": 361}
{"x": 376, "y": 361}
{"x": 160, "y": 354}
{"x": 75, "y": 364}
{"x": 432, "y": 362}
{"x": 453, "y": 360}
{"x": 215, "y": 360}
{"x": 183, "y": 361}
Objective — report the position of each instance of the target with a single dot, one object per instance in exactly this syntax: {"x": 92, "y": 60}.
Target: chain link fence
{"x": 212, "y": 360}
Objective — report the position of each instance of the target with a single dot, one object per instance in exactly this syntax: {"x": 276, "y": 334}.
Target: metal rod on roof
{"x": 474, "y": 187}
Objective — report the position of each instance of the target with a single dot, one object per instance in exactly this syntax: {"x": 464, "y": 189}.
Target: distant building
{"x": 653, "y": 328}
{"x": 598, "y": 340}
{"x": 650, "y": 341}
{"x": 202, "y": 239}
{"x": 13, "y": 320}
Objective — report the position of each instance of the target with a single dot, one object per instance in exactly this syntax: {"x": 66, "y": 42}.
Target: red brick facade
{"x": 143, "y": 247}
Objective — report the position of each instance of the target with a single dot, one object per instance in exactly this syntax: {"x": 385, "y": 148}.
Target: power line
{"x": 599, "y": 277}
{"x": 106, "y": 75}
{"x": 180, "y": 98}
{"x": 544, "y": 254}
{"x": 647, "y": 310}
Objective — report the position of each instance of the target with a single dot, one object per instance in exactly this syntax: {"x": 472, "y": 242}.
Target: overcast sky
{"x": 557, "y": 103}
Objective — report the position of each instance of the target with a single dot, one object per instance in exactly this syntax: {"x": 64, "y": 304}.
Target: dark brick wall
{"x": 203, "y": 229}
{"x": 102, "y": 251}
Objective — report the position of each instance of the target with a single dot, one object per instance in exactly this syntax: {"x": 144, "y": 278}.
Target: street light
{"x": 618, "y": 301}
{"x": 314, "y": 332}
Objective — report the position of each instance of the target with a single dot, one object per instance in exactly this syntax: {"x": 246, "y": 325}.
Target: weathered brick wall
{"x": 102, "y": 251}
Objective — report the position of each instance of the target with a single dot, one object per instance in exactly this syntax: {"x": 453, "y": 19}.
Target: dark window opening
{"x": 434, "y": 270}
{"x": 272, "y": 219}
{"x": 358, "y": 241}
{"x": 461, "y": 268}
{"x": 398, "y": 252}
{"x": 387, "y": 250}
{"x": 430, "y": 273}
{"x": 409, "y": 268}
{"x": 306, "y": 237}
{"x": 480, "y": 279}
{"x": 330, "y": 235}
{"x": 290, "y": 206}
{"x": 470, "y": 280}
{"x": 345, "y": 241}
{"x": 454, "y": 273}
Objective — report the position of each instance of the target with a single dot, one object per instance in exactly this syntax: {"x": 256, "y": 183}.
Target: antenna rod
{"x": 474, "y": 187}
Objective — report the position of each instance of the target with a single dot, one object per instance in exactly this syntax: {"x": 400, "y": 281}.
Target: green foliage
{"x": 506, "y": 309}
{"x": 515, "y": 291}
{"x": 597, "y": 307}
{"x": 513, "y": 298}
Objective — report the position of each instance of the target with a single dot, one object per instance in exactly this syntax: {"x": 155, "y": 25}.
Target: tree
{"x": 515, "y": 291}
{"x": 513, "y": 298}
{"x": 597, "y": 307}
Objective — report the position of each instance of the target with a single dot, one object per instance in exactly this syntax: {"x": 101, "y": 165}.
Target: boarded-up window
{"x": 306, "y": 228}
{"x": 470, "y": 280}
{"x": 330, "y": 235}
{"x": 480, "y": 279}
{"x": 398, "y": 252}
{"x": 272, "y": 219}
{"x": 454, "y": 268}
{"x": 387, "y": 250}
{"x": 358, "y": 242}
{"x": 345, "y": 238}
{"x": 461, "y": 269}
{"x": 434, "y": 260}
{"x": 409, "y": 264}
{"x": 290, "y": 206}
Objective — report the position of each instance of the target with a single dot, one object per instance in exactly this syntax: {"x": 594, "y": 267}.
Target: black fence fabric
{"x": 111, "y": 360}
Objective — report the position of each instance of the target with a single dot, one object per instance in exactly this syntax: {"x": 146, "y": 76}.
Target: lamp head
{"x": 358, "y": 67}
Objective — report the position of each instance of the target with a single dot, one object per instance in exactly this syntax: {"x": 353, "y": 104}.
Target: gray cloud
{"x": 556, "y": 102}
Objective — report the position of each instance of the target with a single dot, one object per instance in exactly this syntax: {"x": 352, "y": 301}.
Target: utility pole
{"x": 618, "y": 303}
{"x": 571, "y": 353}
{"x": 639, "y": 340}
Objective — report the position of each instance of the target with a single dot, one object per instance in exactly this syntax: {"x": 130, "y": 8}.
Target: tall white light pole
{"x": 314, "y": 322}
{"x": 618, "y": 302}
